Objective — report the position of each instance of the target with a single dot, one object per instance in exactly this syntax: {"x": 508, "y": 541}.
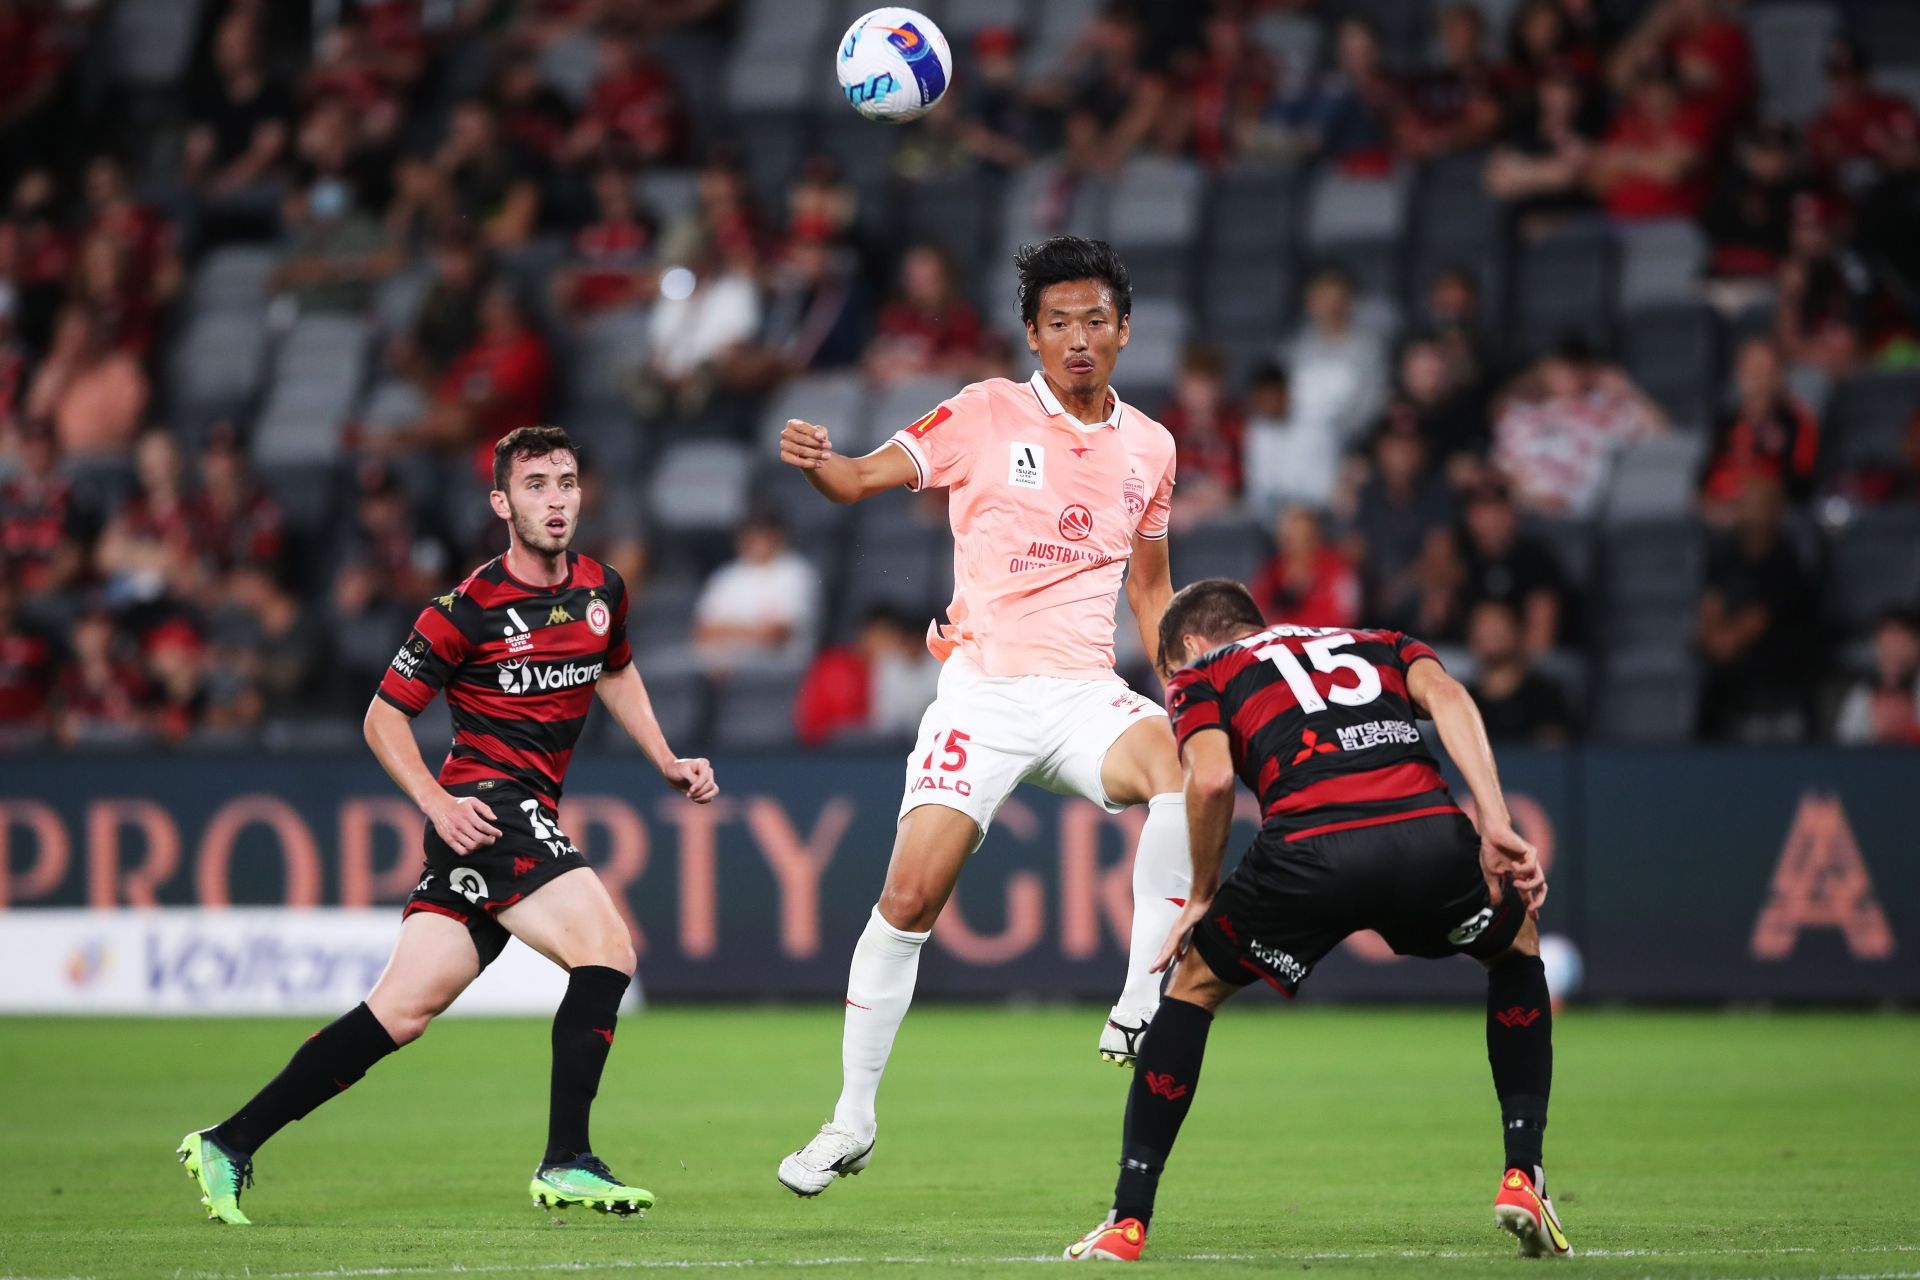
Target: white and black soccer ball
{"x": 894, "y": 64}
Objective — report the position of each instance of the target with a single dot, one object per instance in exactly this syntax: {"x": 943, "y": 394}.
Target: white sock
{"x": 1162, "y": 876}
{"x": 886, "y": 961}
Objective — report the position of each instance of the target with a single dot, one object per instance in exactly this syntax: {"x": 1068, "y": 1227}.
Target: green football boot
{"x": 222, "y": 1174}
{"x": 587, "y": 1182}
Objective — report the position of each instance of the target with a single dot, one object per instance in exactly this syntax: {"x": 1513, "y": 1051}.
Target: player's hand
{"x": 804, "y": 445}
{"x": 463, "y": 822}
{"x": 692, "y": 778}
{"x": 1504, "y": 854}
{"x": 1181, "y": 934}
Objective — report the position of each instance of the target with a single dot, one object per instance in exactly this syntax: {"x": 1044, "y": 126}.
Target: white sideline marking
{"x": 734, "y": 1264}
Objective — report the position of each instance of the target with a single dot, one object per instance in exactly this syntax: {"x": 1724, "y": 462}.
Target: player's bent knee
{"x": 1195, "y": 982}
{"x": 908, "y": 908}
{"x": 1525, "y": 943}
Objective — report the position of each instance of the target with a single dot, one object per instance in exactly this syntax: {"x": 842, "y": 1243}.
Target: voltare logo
{"x": 524, "y": 677}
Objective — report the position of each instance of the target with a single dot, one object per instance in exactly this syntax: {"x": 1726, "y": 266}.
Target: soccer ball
{"x": 893, "y": 64}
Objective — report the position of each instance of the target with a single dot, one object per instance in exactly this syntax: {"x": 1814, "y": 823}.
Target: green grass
{"x": 1351, "y": 1143}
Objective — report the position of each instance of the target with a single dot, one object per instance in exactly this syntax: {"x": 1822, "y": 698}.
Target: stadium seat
{"x": 1660, "y": 262}
{"x": 307, "y": 495}
{"x": 1654, "y": 479}
{"x": 1342, "y": 209}
{"x": 680, "y": 702}
{"x": 788, "y": 28}
{"x": 1157, "y": 202}
{"x": 569, "y": 66}
{"x": 397, "y": 299}
{"x": 1653, "y": 560}
{"x": 668, "y": 193}
{"x": 954, "y": 212}
{"x": 1249, "y": 298}
{"x": 700, "y": 486}
{"x": 1295, "y": 42}
{"x": 1673, "y": 352}
{"x": 836, "y": 401}
{"x": 1875, "y": 566}
{"x": 753, "y": 710}
{"x": 603, "y": 358}
{"x": 1562, "y": 286}
{"x": 150, "y": 42}
{"x": 215, "y": 368}
{"x": 1153, "y": 354}
{"x": 1251, "y": 213}
{"x": 1401, "y": 24}
{"x": 317, "y": 376}
{"x": 393, "y": 402}
{"x": 1572, "y": 545}
{"x": 660, "y": 619}
{"x": 1903, "y": 82}
{"x": 1649, "y": 696}
{"x": 1789, "y": 46}
{"x": 1229, "y": 548}
{"x": 613, "y": 444}
{"x": 1867, "y": 419}
{"x": 1057, "y": 28}
{"x": 812, "y": 521}
{"x": 965, "y": 19}
{"x": 1887, "y": 30}
{"x": 232, "y": 278}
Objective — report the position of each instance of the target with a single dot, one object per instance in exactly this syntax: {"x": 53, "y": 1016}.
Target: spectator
{"x": 388, "y": 565}
{"x": 94, "y": 393}
{"x": 128, "y": 267}
{"x": 44, "y": 527}
{"x": 878, "y": 686}
{"x": 36, "y": 256}
{"x": 1655, "y": 162}
{"x": 1559, "y": 426}
{"x": 998, "y": 125}
{"x": 1749, "y": 216}
{"x": 447, "y": 321}
{"x": 238, "y": 134}
{"x": 1222, "y": 89}
{"x": 633, "y": 115}
{"x": 499, "y": 383}
{"x": 724, "y": 214}
{"x": 1112, "y": 101}
{"x": 1451, "y": 419}
{"x": 1209, "y": 431}
{"x": 1709, "y": 53}
{"x": 1540, "y": 167}
{"x": 1343, "y": 115}
{"x": 1836, "y": 313}
{"x": 1455, "y": 106}
{"x": 1849, "y": 140}
{"x": 1892, "y": 206}
{"x": 1336, "y": 369}
{"x": 1769, "y": 431}
{"x": 1287, "y": 460}
{"x": 147, "y": 559}
{"x": 269, "y": 641}
{"x": 1517, "y": 703}
{"x": 34, "y": 52}
{"x": 762, "y": 608}
{"x": 1541, "y": 43}
{"x": 1755, "y": 626}
{"x": 1454, "y": 320}
{"x": 535, "y": 121}
{"x": 613, "y": 265}
{"x": 234, "y": 521}
{"x": 1308, "y": 583}
{"x": 476, "y": 177}
{"x": 1498, "y": 562}
{"x": 177, "y": 668}
{"x": 704, "y": 317}
{"x": 338, "y": 251}
{"x": 27, "y": 660}
{"x": 13, "y": 367}
{"x": 929, "y": 330}
{"x": 1399, "y": 513}
{"x": 100, "y": 697}
{"x": 1884, "y": 708}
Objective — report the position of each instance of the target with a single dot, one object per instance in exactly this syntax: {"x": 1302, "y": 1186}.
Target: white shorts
{"x": 984, "y": 735}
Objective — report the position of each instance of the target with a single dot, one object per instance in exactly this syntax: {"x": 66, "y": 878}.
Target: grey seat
{"x": 1653, "y": 560}
{"x": 811, "y": 520}
{"x": 391, "y": 403}
{"x": 1654, "y": 479}
{"x": 1057, "y": 26}
{"x": 1674, "y": 353}
{"x": 1156, "y": 202}
{"x": 1867, "y": 418}
{"x": 150, "y": 42}
{"x": 965, "y": 19}
{"x": 318, "y": 372}
{"x": 232, "y": 278}
{"x": 216, "y": 366}
{"x": 669, "y": 193}
{"x": 1562, "y": 286}
{"x": 1402, "y": 26}
{"x": 955, "y": 213}
{"x": 836, "y": 401}
{"x": 1789, "y": 43}
{"x": 660, "y": 620}
{"x": 1887, "y": 30}
{"x": 604, "y": 356}
{"x": 1341, "y": 209}
{"x": 753, "y": 710}
{"x": 700, "y": 486}
{"x": 1230, "y": 548}
{"x": 1649, "y": 696}
{"x": 1875, "y": 566}
{"x": 1158, "y": 341}
{"x": 1294, "y": 40}
{"x": 1660, "y": 262}
{"x": 680, "y": 702}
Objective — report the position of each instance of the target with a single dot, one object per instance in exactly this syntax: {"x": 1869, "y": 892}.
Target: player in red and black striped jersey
{"x": 521, "y": 649}
{"x": 1359, "y": 831}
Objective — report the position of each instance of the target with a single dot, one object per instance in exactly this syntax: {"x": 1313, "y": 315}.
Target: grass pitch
{"x": 1350, "y": 1143}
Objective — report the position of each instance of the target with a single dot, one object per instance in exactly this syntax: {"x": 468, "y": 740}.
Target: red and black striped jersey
{"x": 519, "y": 664}
{"x": 1321, "y": 725}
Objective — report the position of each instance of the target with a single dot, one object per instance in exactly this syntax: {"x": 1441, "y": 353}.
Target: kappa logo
{"x": 523, "y": 864}
{"x": 1026, "y": 465}
{"x": 558, "y": 615}
{"x": 446, "y": 601}
{"x": 1076, "y": 523}
{"x": 599, "y": 617}
{"x": 468, "y": 883}
{"x": 1164, "y": 1085}
{"x": 1517, "y": 1017}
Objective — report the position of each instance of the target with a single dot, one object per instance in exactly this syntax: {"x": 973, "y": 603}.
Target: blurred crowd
{"x": 546, "y": 172}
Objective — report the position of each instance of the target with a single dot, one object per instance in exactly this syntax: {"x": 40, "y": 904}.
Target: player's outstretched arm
{"x": 842, "y": 479}
{"x": 464, "y": 822}
{"x": 1464, "y": 734}
{"x": 1209, "y": 790}
{"x": 625, "y": 696}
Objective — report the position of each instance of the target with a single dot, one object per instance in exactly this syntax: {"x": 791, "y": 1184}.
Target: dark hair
{"x": 1067, "y": 258}
{"x": 1217, "y": 608}
{"x": 527, "y": 442}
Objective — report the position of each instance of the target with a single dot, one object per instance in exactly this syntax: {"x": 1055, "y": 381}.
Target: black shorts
{"x": 1417, "y": 882}
{"x": 530, "y": 850}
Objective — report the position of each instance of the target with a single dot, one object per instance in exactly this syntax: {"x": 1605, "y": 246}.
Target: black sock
{"x": 1164, "y": 1078}
{"x": 583, "y": 1029}
{"x": 332, "y": 1059}
{"x": 1520, "y": 1049}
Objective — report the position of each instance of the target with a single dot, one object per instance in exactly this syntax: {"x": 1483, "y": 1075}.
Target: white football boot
{"x": 1120, "y": 1038}
{"x": 833, "y": 1153}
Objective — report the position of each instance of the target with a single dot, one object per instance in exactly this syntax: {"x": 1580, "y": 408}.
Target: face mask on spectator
{"x": 328, "y": 199}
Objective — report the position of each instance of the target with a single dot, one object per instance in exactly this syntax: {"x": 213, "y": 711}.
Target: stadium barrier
{"x": 1687, "y": 875}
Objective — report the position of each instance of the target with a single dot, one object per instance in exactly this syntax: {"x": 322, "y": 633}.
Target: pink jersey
{"x": 1044, "y": 511}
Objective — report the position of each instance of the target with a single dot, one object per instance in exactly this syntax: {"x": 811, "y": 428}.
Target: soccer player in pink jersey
{"x": 1058, "y": 494}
